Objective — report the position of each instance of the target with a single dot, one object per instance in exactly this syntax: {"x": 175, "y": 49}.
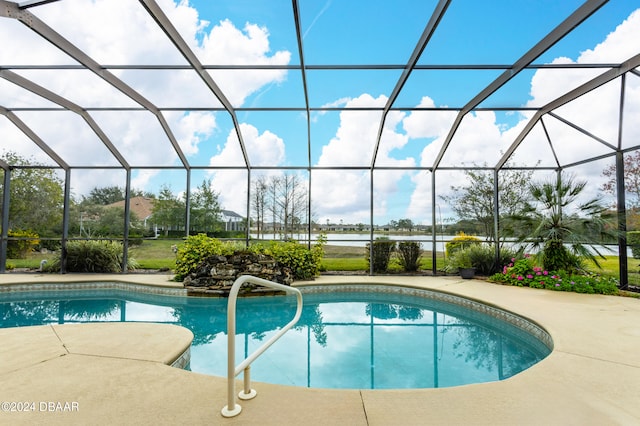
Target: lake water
{"x": 361, "y": 240}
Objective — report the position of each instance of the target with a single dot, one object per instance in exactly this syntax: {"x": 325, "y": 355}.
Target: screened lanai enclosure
{"x": 365, "y": 113}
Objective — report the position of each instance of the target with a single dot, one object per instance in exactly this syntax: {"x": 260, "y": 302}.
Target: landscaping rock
{"x": 216, "y": 274}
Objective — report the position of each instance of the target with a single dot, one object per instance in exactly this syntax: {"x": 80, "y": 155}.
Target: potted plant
{"x": 460, "y": 261}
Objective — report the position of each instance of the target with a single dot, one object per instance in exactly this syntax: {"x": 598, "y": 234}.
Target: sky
{"x": 335, "y": 32}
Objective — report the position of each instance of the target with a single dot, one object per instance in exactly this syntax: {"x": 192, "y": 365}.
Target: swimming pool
{"x": 355, "y": 338}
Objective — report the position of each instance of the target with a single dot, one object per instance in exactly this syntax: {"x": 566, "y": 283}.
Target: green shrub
{"x": 135, "y": 239}
{"x": 49, "y": 244}
{"x": 633, "y": 241}
{"x": 226, "y": 234}
{"x": 172, "y": 234}
{"x": 556, "y": 257}
{"x": 92, "y": 256}
{"x": 460, "y": 259}
{"x": 20, "y": 248}
{"x": 507, "y": 255}
{"x": 303, "y": 262}
{"x": 409, "y": 255}
{"x": 459, "y": 242}
{"x": 195, "y": 249}
{"x": 382, "y": 250}
{"x": 481, "y": 257}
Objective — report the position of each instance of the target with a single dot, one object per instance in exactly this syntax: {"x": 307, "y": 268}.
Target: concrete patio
{"x": 121, "y": 373}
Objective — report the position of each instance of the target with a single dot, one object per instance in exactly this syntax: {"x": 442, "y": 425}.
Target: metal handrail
{"x": 233, "y": 371}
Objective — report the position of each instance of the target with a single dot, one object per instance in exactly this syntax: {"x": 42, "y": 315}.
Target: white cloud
{"x": 21, "y": 145}
{"x": 142, "y": 178}
{"x": 428, "y": 124}
{"x": 335, "y": 104}
{"x": 354, "y": 141}
{"x": 226, "y": 44}
{"x": 345, "y": 194}
{"x": 117, "y": 31}
{"x": 631, "y": 130}
{"x": 619, "y": 45}
{"x": 420, "y": 201}
{"x": 192, "y": 128}
{"x": 340, "y": 195}
{"x": 264, "y": 148}
{"x": 549, "y": 84}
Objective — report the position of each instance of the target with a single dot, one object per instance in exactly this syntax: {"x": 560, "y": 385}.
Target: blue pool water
{"x": 351, "y": 340}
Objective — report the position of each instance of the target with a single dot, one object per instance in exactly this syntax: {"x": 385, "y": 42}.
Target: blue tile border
{"x": 183, "y": 360}
{"x": 93, "y": 285}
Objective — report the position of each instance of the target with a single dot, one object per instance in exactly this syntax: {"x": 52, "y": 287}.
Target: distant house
{"x": 232, "y": 220}
{"x": 141, "y": 207}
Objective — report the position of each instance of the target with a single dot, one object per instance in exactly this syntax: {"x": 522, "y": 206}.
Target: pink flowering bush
{"x": 524, "y": 273}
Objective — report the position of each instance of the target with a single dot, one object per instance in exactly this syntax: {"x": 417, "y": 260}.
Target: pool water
{"x": 347, "y": 340}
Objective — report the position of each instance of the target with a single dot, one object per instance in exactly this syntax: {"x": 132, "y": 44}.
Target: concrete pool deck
{"x": 592, "y": 377}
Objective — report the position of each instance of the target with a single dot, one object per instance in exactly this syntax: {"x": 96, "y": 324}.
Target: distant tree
{"x": 475, "y": 201}
{"x": 94, "y": 221}
{"x": 84, "y": 220}
{"x": 168, "y": 210}
{"x": 272, "y": 202}
{"x": 406, "y": 224}
{"x": 466, "y": 226}
{"x": 205, "y": 208}
{"x": 36, "y": 196}
{"x": 631, "y": 179}
{"x": 633, "y": 219}
{"x": 110, "y": 222}
{"x": 286, "y": 199}
{"x": 104, "y": 196}
{"x": 291, "y": 203}
{"x": 111, "y": 194}
{"x": 258, "y": 202}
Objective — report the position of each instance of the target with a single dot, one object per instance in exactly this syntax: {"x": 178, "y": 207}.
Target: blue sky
{"x": 336, "y": 32}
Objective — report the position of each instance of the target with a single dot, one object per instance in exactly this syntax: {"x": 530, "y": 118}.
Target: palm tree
{"x": 560, "y": 233}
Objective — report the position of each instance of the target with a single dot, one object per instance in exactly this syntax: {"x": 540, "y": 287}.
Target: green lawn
{"x": 151, "y": 254}
{"x": 610, "y": 267}
{"x": 155, "y": 254}
{"x": 345, "y": 258}
{"x": 158, "y": 254}
{"x": 32, "y": 261}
